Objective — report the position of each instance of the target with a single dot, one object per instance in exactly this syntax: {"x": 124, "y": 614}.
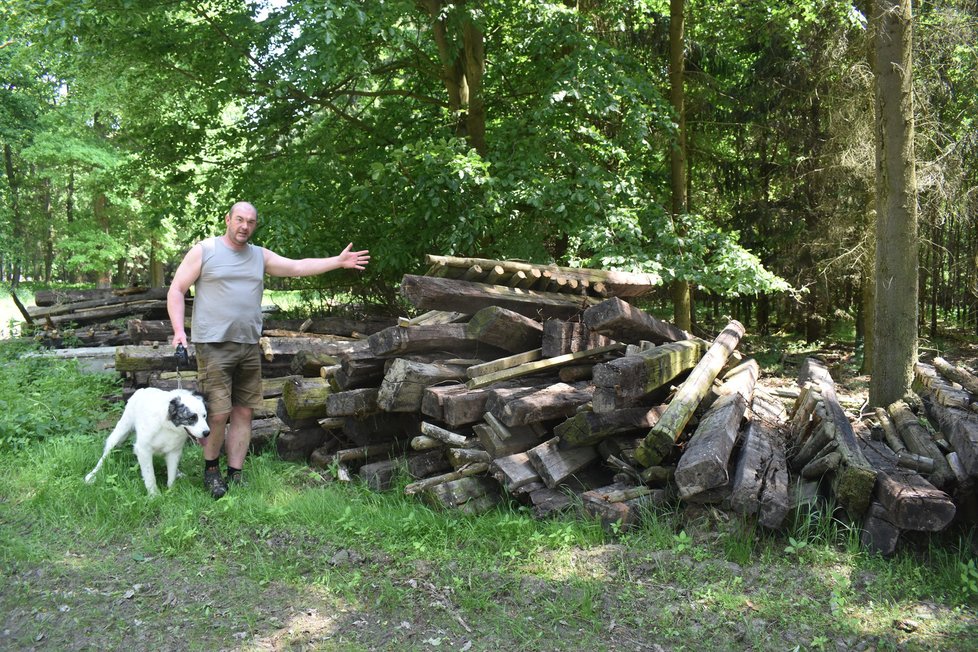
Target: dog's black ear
{"x": 173, "y": 412}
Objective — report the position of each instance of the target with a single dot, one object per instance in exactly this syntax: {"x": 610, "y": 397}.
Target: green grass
{"x": 297, "y": 559}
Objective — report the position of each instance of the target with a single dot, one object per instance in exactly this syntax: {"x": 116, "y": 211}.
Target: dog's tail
{"x": 117, "y": 436}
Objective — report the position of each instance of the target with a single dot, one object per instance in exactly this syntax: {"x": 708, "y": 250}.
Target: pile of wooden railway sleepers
{"x": 546, "y": 386}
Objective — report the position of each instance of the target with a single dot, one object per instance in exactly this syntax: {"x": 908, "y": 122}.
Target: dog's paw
{"x": 90, "y": 478}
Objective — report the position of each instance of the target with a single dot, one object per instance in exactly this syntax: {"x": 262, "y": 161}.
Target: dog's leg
{"x": 145, "y": 457}
{"x": 118, "y": 434}
{"x": 172, "y": 462}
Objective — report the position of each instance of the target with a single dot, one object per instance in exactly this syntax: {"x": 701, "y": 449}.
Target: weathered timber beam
{"x": 352, "y": 403}
{"x": 554, "y": 402}
{"x": 802, "y": 412}
{"x": 918, "y": 441}
{"x": 633, "y": 376}
{"x": 305, "y": 398}
{"x": 405, "y": 381}
{"x": 514, "y": 471}
{"x": 623, "y": 322}
{"x": 961, "y": 429}
{"x": 740, "y": 379}
{"x": 470, "y": 406}
{"x": 829, "y": 459}
{"x": 878, "y": 534}
{"x": 505, "y": 329}
{"x": 380, "y": 427}
{"x": 433, "y": 400}
{"x": 555, "y": 464}
{"x": 703, "y": 466}
{"x": 560, "y": 337}
{"x": 624, "y": 284}
{"x": 150, "y": 358}
{"x": 326, "y": 345}
{"x": 499, "y": 439}
{"x": 471, "y": 494}
{"x": 539, "y": 366}
{"x": 855, "y": 478}
{"x": 943, "y": 391}
{"x": 112, "y": 304}
{"x": 587, "y": 428}
{"x": 93, "y": 315}
{"x": 664, "y": 434}
{"x": 911, "y": 502}
{"x": 43, "y": 298}
{"x": 619, "y": 507}
{"x": 427, "y": 292}
{"x": 957, "y": 374}
{"x": 760, "y": 479}
{"x": 398, "y": 340}
{"x": 820, "y": 432}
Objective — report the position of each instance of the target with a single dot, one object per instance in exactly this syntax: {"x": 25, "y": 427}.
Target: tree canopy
{"x": 517, "y": 129}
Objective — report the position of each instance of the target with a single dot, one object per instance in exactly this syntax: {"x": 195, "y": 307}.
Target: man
{"x": 227, "y": 272}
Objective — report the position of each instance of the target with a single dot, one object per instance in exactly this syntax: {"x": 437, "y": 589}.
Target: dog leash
{"x": 182, "y": 358}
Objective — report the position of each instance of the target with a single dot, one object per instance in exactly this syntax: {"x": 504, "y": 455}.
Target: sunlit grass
{"x": 682, "y": 579}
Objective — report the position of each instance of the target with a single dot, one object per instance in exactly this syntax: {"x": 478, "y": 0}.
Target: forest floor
{"x": 62, "y": 591}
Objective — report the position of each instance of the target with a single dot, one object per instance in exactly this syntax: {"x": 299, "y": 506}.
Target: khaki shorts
{"x": 229, "y": 374}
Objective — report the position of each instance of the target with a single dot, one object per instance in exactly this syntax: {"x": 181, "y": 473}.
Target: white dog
{"x": 163, "y": 421}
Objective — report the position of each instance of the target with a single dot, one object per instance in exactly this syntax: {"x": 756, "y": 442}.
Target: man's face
{"x": 241, "y": 223}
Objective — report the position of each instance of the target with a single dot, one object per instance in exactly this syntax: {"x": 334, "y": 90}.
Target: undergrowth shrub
{"x": 43, "y": 397}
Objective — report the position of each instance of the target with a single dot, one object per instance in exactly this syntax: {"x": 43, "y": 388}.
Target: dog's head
{"x": 187, "y": 411}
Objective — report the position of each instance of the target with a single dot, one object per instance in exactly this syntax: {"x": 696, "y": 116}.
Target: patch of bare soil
{"x": 638, "y": 598}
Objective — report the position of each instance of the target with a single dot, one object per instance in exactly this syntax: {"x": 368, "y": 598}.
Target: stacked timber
{"x": 549, "y": 386}
{"x": 543, "y": 385}
{"x": 575, "y": 400}
{"x": 893, "y": 473}
{"x": 58, "y": 309}
{"x": 63, "y": 319}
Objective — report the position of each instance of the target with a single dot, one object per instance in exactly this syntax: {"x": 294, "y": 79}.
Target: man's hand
{"x": 353, "y": 259}
{"x": 180, "y": 338}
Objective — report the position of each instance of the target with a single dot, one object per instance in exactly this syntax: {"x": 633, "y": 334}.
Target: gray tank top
{"x": 228, "y": 293}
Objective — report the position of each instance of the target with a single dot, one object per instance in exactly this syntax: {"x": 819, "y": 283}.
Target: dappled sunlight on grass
{"x": 315, "y": 562}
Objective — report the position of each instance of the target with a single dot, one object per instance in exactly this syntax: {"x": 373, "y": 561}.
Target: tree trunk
{"x": 474, "y": 65}
{"x": 869, "y": 292}
{"x": 681, "y": 301}
{"x": 16, "y": 218}
{"x": 100, "y": 207}
{"x": 48, "y": 229}
{"x": 156, "y": 277}
{"x": 896, "y": 206}
{"x": 462, "y": 57}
